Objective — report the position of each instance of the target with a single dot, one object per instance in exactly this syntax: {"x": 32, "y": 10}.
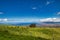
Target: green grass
{"x": 26, "y": 33}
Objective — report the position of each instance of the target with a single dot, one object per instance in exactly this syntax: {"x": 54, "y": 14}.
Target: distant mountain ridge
{"x": 52, "y": 22}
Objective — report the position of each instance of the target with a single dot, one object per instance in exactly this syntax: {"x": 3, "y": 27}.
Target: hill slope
{"x": 26, "y": 33}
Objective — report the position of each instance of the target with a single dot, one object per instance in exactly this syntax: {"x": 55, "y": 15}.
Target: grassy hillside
{"x": 26, "y": 33}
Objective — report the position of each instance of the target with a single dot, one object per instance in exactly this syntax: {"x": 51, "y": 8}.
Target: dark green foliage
{"x": 32, "y": 25}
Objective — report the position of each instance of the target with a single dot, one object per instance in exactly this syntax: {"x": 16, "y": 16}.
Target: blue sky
{"x": 16, "y": 10}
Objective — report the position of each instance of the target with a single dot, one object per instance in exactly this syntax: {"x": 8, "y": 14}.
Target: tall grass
{"x": 27, "y": 33}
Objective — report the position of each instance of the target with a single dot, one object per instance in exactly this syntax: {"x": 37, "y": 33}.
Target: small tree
{"x": 32, "y": 25}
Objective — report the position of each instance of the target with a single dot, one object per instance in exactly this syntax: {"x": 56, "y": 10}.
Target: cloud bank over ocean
{"x": 25, "y": 20}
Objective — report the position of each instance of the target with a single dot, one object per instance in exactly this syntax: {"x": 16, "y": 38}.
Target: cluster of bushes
{"x": 32, "y": 25}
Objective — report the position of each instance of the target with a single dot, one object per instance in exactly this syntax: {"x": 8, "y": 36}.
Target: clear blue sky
{"x": 29, "y": 8}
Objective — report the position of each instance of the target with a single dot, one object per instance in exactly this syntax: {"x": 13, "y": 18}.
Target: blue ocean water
{"x": 25, "y": 24}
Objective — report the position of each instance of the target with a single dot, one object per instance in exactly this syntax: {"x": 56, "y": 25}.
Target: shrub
{"x": 32, "y": 25}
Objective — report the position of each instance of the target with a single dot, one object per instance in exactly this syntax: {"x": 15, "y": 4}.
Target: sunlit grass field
{"x": 27, "y": 33}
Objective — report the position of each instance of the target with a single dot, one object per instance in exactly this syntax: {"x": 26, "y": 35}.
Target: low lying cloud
{"x": 18, "y": 20}
{"x": 50, "y": 20}
{"x": 3, "y": 20}
{"x": 30, "y": 20}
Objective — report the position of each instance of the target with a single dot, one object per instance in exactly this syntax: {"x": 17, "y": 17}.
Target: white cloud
{"x": 50, "y": 20}
{"x": 47, "y": 3}
{"x": 0, "y": 19}
{"x": 46, "y": 20}
{"x": 34, "y": 8}
{"x": 1, "y": 12}
{"x": 18, "y": 20}
{"x": 58, "y": 13}
{"x": 36, "y": 20}
{"x": 3, "y": 20}
{"x": 24, "y": 20}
